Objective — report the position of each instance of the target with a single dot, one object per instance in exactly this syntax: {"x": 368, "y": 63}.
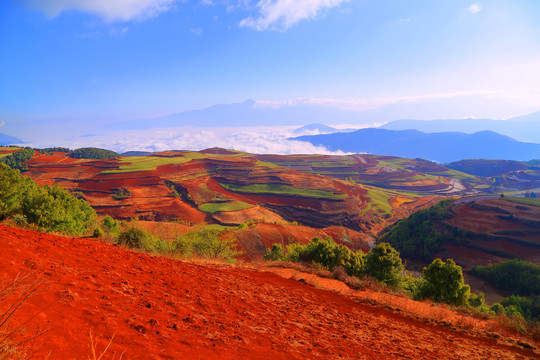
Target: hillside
{"x": 480, "y": 230}
{"x": 8, "y": 140}
{"x": 223, "y": 187}
{"x": 161, "y": 308}
{"x": 439, "y": 147}
{"x": 523, "y": 128}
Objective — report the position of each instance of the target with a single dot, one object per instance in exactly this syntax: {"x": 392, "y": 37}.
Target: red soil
{"x": 159, "y": 308}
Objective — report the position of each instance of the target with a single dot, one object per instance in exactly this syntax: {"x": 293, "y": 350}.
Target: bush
{"x": 208, "y": 244}
{"x": 443, "y": 282}
{"x": 55, "y": 209}
{"x": 97, "y": 233}
{"x": 275, "y": 253}
{"x": 325, "y": 252}
{"x": 133, "y": 238}
{"x": 50, "y": 208}
{"x": 331, "y": 255}
{"x": 109, "y": 224}
{"x": 384, "y": 264}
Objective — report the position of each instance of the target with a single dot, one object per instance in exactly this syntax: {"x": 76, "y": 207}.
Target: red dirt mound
{"x": 159, "y": 308}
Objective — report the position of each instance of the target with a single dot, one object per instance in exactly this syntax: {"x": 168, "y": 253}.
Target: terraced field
{"x": 229, "y": 188}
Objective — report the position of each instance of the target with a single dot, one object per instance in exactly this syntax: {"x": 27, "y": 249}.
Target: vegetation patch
{"x": 379, "y": 201}
{"x": 525, "y": 201}
{"x": 93, "y": 153}
{"x": 224, "y": 206}
{"x": 279, "y": 189}
{"x": 149, "y": 163}
{"x": 49, "y": 208}
{"x": 18, "y": 159}
{"x": 422, "y": 234}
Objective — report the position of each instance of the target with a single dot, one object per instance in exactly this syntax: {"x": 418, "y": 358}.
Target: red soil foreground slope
{"x": 159, "y": 308}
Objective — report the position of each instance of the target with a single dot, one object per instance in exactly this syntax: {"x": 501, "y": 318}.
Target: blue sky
{"x": 102, "y": 61}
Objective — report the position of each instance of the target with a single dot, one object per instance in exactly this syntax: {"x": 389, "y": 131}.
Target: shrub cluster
{"x": 200, "y": 243}
{"x": 382, "y": 263}
{"x": 50, "y": 208}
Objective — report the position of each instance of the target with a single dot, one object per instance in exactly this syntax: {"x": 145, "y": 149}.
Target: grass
{"x": 455, "y": 174}
{"x": 379, "y": 201}
{"x": 278, "y": 189}
{"x": 224, "y": 206}
{"x": 266, "y": 164}
{"x": 525, "y": 201}
{"x": 149, "y": 163}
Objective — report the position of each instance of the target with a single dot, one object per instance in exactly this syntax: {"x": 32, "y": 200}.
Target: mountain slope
{"x": 440, "y": 147}
{"x": 8, "y": 140}
{"x": 525, "y": 128}
{"x": 248, "y": 113}
{"x": 160, "y": 308}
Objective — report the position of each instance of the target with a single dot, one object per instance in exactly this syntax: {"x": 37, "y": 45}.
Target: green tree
{"x": 17, "y": 159}
{"x": 13, "y": 188}
{"x": 443, "y": 282}
{"x": 109, "y": 224}
{"x": 332, "y": 255}
{"x": 93, "y": 153}
{"x": 275, "y": 253}
{"x": 207, "y": 243}
{"x": 384, "y": 264}
{"x": 51, "y": 208}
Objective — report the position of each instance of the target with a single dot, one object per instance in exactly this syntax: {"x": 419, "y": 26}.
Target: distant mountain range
{"x": 315, "y": 129}
{"x": 321, "y": 118}
{"x": 8, "y": 140}
{"x": 248, "y": 113}
{"x": 523, "y": 128}
{"x": 440, "y": 147}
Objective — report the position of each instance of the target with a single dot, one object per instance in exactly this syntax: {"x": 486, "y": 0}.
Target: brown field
{"x": 153, "y": 307}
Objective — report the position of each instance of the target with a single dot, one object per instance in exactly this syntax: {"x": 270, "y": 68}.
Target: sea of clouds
{"x": 256, "y": 140}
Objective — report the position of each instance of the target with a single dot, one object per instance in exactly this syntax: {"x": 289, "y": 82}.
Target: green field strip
{"x": 278, "y": 189}
{"x": 212, "y": 208}
{"x": 149, "y": 163}
{"x": 525, "y": 201}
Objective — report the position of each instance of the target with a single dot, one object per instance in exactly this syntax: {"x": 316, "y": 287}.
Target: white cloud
{"x": 282, "y": 14}
{"x": 474, "y": 8}
{"x": 110, "y": 10}
{"x": 257, "y": 140}
{"x": 2, "y": 123}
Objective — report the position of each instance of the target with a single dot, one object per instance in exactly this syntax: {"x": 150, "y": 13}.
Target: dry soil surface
{"x": 160, "y": 308}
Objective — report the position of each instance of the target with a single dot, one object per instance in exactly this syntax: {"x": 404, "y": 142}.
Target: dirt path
{"x": 158, "y": 308}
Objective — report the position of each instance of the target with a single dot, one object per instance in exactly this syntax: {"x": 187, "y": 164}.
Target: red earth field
{"x": 151, "y": 307}
{"x": 188, "y": 186}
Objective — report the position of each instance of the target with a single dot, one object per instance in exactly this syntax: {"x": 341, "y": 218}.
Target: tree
{"x": 384, "y": 264}
{"x": 332, "y": 255}
{"x": 443, "y": 282}
{"x": 17, "y": 159}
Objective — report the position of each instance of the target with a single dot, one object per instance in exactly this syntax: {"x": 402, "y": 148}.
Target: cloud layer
{"x": 110, "y": 10}
{"x": 257, "y": 140}
{"x": 282, "y": 14}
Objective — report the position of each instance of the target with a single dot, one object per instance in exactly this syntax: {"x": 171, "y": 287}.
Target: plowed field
{"x": 159, "y": 308}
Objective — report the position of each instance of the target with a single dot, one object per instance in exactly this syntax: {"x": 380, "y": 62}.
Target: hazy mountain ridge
{"x": 522, "y": 128}
{"x": 440, "y": 147}
{"x": 248, "y": 113}
{"x": 8, "y": 140}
